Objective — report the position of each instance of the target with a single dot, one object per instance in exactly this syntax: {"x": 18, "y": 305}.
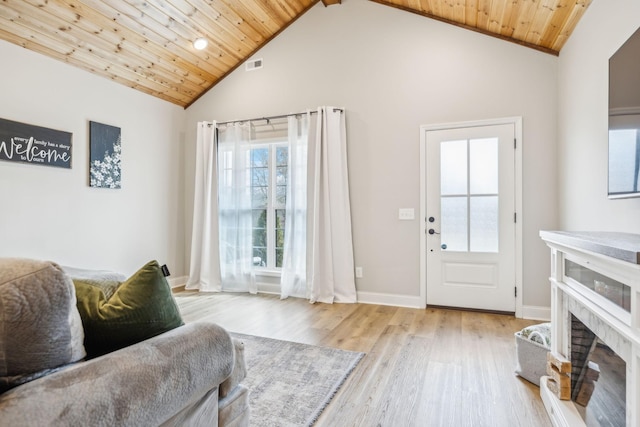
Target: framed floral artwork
{"x": 105, "y": 152}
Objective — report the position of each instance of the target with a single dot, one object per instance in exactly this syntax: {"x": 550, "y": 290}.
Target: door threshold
{"x": 475, "y": 310}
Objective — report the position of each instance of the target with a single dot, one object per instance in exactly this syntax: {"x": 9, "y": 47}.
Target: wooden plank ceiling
{"x": 148, "y": 44}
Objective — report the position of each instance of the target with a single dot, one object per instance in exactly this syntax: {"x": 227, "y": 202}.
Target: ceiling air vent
{"x": 253, "y": 64}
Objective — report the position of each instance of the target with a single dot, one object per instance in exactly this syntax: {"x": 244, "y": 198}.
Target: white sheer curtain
{"x": 330, "y": 265}
{"x": 234, "y": 204}
{"x": 293, "y": 281}
{"x": 204, "y": 272}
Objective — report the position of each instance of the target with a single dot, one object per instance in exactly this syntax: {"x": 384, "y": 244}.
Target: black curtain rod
{"x": 281, "y": 116}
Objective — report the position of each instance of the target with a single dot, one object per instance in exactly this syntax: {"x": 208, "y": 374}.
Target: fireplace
{"x": 598, "y": 378}
{"x": 595, "y": 297}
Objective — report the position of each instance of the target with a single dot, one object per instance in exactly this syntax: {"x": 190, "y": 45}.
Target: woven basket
{"x": 532, "y": 359}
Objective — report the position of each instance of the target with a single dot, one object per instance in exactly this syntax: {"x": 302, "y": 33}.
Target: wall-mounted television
{"x": 624, "y": 120}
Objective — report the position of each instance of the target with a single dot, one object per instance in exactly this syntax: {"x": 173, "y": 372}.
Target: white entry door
{"x": 470, "y": 217}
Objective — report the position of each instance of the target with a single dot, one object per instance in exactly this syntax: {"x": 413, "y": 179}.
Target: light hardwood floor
{"x": 432, "y": 367}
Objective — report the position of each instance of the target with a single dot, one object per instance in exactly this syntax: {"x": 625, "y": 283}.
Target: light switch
{"x": 406, "y": 214}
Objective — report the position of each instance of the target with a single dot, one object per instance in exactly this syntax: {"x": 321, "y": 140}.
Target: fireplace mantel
{"x": 621, "y": 246}
{"x": 603, "y": 260}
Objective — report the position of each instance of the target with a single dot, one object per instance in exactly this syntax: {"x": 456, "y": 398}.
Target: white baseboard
{"x": 531, "y": 312}
{"x": 176, "y": 282}
{"x": 389, "y": 299}
{"x": 268, "y": 288}
{"x": 534, "y": 312}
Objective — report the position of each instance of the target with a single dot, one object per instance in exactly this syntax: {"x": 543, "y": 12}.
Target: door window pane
{"x": 454, "y": 223}
{"x": 484, "y": 224}
{"x": 453, "y": 167}
{"x": 483, "y": 167}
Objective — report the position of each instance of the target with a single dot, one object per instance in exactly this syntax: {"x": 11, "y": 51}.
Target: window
{"x": 268, "y": 168}
{"x": 469, "y": 194}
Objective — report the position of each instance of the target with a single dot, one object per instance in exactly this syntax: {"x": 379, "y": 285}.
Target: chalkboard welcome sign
{"x": 20, "y": 142}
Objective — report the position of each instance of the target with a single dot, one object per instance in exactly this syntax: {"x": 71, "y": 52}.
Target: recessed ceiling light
{"x": 200, "y": 43}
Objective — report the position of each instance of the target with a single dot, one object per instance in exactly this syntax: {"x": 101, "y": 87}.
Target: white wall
{"x": 394, "y": 71}
{"x": 583, "y": 109}
{"x": 52, "y": 213}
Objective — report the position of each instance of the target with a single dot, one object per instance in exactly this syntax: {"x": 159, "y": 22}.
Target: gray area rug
{"x": 290, "y": 383}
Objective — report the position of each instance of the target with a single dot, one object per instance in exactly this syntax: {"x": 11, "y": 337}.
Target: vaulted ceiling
{"x": 148, "y": 44}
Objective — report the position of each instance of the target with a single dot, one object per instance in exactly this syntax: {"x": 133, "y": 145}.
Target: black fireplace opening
{"x": 598, "y": 379}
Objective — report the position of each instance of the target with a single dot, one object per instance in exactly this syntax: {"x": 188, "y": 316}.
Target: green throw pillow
{"x": 141, "y": 307}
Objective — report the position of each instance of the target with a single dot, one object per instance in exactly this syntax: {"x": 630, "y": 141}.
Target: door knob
{"x": 432, "y": 231}
{"x": 443, "y": 246}
{"x": 431, "y": 219}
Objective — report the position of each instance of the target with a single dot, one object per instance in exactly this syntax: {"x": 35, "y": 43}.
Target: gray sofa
{"x": 188, "y": 376}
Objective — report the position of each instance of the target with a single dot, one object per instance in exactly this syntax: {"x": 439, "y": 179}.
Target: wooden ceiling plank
{"x": 104, "y": 66}
{"x": 226, "y": 19}
{"x": 428, "y": 7}
{"x": 471, "y": 13}
{"x": 459, "y": 11}
{"x": 506, "y": 29}
{"x": 169, "y": 40}
{"x": 51, "y": 53}
{"x": 496, "y": 16}
{"x": 185, "y": 58}
{"x": 560, "y": 14}
{"x": 231, "y": 16}
{"x": 526, "y": 13}
{"x": 32, "y": 38}
{"x": 70, "y": 32}
{"x": 542, "y": 16}
{"x": 12, "y": 25}
{"x": 113, "y": 28}
{"x": 193, "y": 19}
{"x": 483, "y": 14}
{"x": 447, "y": 10}
{"x": 289, "y": 8}
{"x": 438, "y": 18}
{"x": 425, "y": 6}
{"x": 255, "y": 14}
{"x": 93, "y": 54}
{"x": 514, "y": 13}
{"x": 415, "y": 4}
{"x": 174, "y": 30}
{"x": 242, "y": 21}
{"x": 282, "y": 12}
{"x": 278, "y": 10}
{"x": 577, "y": 11}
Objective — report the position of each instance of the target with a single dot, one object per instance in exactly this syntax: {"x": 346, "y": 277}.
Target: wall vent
{"x": 254, "y": 64}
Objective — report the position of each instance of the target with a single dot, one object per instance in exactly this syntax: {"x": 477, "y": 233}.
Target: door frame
{"x": 517, "y": 124}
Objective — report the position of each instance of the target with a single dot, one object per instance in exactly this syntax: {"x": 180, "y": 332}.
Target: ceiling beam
{"x": 330, "y": 2}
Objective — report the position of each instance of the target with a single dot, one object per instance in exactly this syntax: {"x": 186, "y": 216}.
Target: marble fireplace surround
{"x": 616, "y": 256}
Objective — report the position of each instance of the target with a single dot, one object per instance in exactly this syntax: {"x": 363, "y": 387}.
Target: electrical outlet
{"x": 358, "y": 272}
